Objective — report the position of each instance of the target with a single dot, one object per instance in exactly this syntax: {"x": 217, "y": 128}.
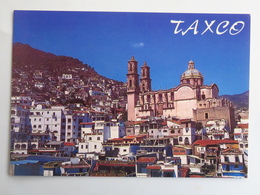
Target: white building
{"x": 21, "y": 100}
{"x": 63, "y": 123}
{"x": 66, "y": 76}
{"x": 47, "y": 120}
{"x": 96, "y": 132}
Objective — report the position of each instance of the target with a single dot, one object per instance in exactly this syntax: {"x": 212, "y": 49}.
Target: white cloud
{"x": 139, "y": 44}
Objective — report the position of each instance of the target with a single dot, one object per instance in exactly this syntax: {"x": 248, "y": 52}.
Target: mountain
{"x": 57, "y": 78}
{"x": 240, "y": 101}
{"x": 27, "y": 58}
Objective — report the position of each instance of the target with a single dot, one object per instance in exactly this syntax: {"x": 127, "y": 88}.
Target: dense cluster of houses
{"x": 59, "y": 140}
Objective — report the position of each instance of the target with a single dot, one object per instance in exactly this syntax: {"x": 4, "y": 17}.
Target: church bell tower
{"x": 145, "y": 81}
{"x": 132, "y": 88}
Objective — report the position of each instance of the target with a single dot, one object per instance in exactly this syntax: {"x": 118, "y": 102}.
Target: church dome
{"x": 191, "y": 72}
{"x": 192, "y": 75}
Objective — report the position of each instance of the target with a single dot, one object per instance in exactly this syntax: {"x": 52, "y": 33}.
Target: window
{"x": 69, "y": 120}
{"x": 86, "y": 146}
{"x": 160, "y": 98}
{"x": 227, "y": 168}
{"x": 172, "y": 96}
{"x": 180, "y": 139}
{"x": 203, "y": 96}
{"x": 236, "y": 158}
{"x": 148, "y": 98}
{"x": 226, "y": 159}
{"x": 130, "y": 83}
{"x": 23, "y": 146}
{"x": 98, "y": 138}
{"x": 90, "y": 138}
{"x": 95, "y": 146}
{"x": 187, "y": 142}
{"x": 124, "y": 150}
{"x": 206, "y": 115}
{"x": 81, "y": 146}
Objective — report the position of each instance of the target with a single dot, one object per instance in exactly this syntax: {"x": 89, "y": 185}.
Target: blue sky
{"x": 107, "y": 40}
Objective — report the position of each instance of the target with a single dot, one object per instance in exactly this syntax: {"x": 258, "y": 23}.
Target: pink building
{"x": 191, "y": 99}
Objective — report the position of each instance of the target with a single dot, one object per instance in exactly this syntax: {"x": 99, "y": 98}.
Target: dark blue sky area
{"x": 107, "y": 40}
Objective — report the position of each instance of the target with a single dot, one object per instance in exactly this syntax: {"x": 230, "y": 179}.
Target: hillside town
{"x": 77, "y": 123}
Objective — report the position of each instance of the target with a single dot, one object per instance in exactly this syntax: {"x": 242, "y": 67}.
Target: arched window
{"x": 186, "y": 141}
{"x": 23, "y": 146}
{"x": 130, "y": 83}
{"x": 180, "y": 139}
{"x": 203, "y": 96}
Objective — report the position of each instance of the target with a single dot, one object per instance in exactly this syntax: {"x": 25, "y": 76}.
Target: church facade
{"x": 191, "y": 99}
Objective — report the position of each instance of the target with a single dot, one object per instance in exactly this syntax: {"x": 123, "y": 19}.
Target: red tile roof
{"x": 243, "y": 126}
{"x": 135, "y": 122}
{"x": 184, "y": 120}
{"x": 154, "y": 167}
{"x": 164, "y": 123}
{"x": 69, "y": 144}
{"x": 146, "y": 160}
{"x": 87, "y": 123}
{"x": 116, "y": 139}
{"x": 214, "y": 142}
{"x": 129, "y": 137}
{"x": 175, "y": 121}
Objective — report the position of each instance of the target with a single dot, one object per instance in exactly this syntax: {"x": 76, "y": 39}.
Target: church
{"x": 191, "y": 99}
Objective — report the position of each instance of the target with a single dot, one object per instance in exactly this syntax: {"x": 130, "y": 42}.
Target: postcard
{"x": 130, "y": 94}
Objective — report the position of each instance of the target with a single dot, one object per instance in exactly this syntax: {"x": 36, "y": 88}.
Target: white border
{"x": 58, "y": 185}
